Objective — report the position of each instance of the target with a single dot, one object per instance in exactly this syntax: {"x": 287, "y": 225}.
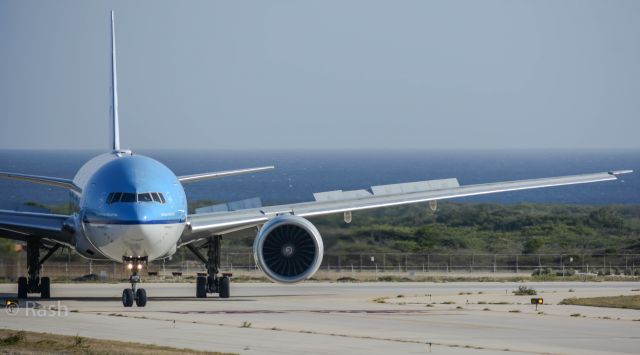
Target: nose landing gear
{"x": 133, "y": 294}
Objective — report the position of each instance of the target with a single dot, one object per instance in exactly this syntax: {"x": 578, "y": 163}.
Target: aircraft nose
{"x": 142, "y": 212}
{"x": 158, "y": 239}
{"x": 135, "y": 213}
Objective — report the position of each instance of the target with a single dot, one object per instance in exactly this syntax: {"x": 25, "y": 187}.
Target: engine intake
{"x": 288, "y": 249}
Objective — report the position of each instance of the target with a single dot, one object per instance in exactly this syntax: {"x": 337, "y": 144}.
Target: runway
{"x": 355, "y": 318}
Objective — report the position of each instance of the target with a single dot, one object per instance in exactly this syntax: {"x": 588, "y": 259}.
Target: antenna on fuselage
{"x": 115, "y": 126}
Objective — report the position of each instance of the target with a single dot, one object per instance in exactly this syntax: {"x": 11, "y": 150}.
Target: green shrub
{"x": 525, "y": 291}
{"x": 543, "y": 272}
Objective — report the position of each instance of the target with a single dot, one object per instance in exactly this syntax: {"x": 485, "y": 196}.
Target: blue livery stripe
{"x": 132, "y": 222}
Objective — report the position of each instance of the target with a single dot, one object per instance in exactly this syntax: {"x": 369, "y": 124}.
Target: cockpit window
{"x": 114, "y": 197}
{"x": 127, "y": 197}
{"x": 145, "y": 197}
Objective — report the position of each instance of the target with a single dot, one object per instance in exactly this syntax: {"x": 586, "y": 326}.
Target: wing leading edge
{"x": 185, "y": 179}
{"x": 376, "y": 197}
{"x": 43, "y": 180}
{"x": 22, "y": 225}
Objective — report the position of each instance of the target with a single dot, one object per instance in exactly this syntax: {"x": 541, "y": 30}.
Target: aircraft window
{"x": 145, "y": 197}
{"x": 128, "y": 197}
{"x": 114, "y": 197}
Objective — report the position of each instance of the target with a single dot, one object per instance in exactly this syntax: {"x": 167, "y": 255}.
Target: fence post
{"x": 406, "y": 266}
{"x": 626, "y": 264}
{"x": 495, "y": 261}
{"x": 384, "y": 262}
{"x": 517, "y": 266}
{"x": 473, "y": 261}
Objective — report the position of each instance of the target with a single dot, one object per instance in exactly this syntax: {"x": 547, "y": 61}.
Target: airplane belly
{"x": 150, "y": 240}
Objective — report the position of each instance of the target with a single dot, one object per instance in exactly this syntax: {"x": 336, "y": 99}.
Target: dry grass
{"x": 21, "y": 342}
{"x": 629, "y": 302}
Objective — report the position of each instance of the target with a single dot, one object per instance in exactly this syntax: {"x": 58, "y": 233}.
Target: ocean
{"x": 300, "y": 173}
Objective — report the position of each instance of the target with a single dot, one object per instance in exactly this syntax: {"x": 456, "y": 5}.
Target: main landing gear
{"x": 34, "y": 283}
{"x": 133, "y": 294}
{"x": 212, "y": 283}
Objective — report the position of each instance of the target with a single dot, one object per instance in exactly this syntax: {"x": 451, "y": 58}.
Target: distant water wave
{"x": 299, "y": 174}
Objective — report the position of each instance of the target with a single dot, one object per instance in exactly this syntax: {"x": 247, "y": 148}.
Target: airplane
{"x": 132, "y": 209}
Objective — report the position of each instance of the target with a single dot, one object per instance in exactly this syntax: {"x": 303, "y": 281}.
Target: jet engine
{"x": 288, "y": 249}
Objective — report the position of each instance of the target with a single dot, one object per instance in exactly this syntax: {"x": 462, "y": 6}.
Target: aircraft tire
{"x": 201, "y": 287}
{"x": 225, "y": 285}
{"x": 23, "y": 287}
{"x": 141, "y": 297}
{"x": 127, "y": 297}
{"x": 45, "y": 288}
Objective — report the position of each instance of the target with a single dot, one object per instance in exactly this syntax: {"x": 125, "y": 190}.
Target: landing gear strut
{"x": 34, "y": 283}
{"x": 139, "y": 295}
{"x": 212, "y": 283}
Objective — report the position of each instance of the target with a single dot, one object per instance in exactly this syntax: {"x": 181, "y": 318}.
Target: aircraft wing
{"x": 186, "y": 179}
{"x": 206, "y": 224}
{"x": 22, "y": 225}
{"x": 44, "y": 180}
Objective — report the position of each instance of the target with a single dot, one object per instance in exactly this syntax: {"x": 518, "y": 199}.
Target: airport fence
{"x": 412, "y": 263}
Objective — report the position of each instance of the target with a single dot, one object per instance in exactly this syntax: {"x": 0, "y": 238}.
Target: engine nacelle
{"x": 288, "y": 249}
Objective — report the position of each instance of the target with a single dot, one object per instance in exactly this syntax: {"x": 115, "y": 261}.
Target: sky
{"x": 331, "y": 74}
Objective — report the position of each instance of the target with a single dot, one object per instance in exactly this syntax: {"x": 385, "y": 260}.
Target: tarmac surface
{"x": 353, "y": 318}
